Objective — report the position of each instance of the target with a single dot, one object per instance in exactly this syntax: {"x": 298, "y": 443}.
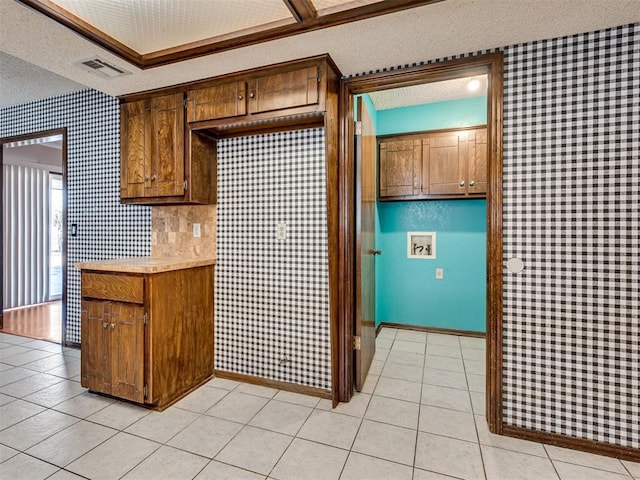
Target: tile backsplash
{"x": 172, "y": 231}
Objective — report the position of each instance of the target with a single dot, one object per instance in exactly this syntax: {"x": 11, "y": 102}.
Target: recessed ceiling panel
{"x": 325, "y": 7}
{"x": 430, "y": 93}
{"x": 151, "y": 25}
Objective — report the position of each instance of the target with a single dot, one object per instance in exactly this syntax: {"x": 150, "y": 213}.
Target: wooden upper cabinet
{"x": 152, "y": 147}
{"x": 284, "y": 90}
{"x": 400, "y": 166}
{"x": 477, "y": 168}
{"x": 444, "y": 164}
{"x": 220, "y": 101}
{"x": 435, "y": 164}
{"x": 165, "y": 165}
{"x": 135, "y": 147}
{"x": 156, "y": 167}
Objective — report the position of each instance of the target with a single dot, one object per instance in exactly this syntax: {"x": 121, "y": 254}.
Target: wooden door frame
{"x": 491, "y": 64}
{"x": 65, "y": 241}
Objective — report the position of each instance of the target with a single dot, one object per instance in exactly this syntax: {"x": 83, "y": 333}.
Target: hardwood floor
{"x": 42, "y": 321}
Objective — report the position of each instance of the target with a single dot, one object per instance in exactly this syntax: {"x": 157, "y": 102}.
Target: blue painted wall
{"x": 407, "y": 291}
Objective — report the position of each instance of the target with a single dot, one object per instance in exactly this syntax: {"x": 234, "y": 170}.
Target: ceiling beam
{"x": 302, "y": 10}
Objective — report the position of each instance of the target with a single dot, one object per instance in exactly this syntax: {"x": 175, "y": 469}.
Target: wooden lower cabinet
{"x": 147, "y": 338}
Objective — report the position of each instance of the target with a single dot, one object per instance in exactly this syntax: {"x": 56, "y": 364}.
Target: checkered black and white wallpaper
{"x": 572, "y": 214}
{"x": 271, "y": 294}
{"x": 106, "y": 229}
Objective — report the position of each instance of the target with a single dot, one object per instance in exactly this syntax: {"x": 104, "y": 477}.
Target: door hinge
{"x": 358, "y": 126}
{"x": 145, "y": 318}
{"x": 184, "y": 102}
{"x": 145, "y": 391}
{"x": 357, "y": 342}
{"x": 184, "y": 185}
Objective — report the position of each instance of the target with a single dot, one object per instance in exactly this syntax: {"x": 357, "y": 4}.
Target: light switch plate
{"x": 281, "y": 231}
{"x": 439, "y": 273}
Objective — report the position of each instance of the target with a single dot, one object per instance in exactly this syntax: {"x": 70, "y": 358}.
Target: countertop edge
{"x": 144, "y": 264}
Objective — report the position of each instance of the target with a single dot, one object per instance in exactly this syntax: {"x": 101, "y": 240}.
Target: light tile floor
{"x": 419, "y": 417}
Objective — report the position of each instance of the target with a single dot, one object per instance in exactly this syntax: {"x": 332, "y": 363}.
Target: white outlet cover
{"x": 196, "y": 230}
{"x": 281, "y": 231}
{"x": 515, "y": 265}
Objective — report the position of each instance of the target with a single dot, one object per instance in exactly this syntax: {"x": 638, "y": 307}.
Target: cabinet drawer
{"x": 107, "y": 286}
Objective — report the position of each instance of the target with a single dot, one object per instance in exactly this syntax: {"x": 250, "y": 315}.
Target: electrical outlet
{"x": 196, "y": 230}
{"x": 281, "y": 231}
{"x": 439, "y": 273}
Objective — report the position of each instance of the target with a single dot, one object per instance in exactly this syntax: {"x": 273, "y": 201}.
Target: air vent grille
{"x": 102, "y": 67}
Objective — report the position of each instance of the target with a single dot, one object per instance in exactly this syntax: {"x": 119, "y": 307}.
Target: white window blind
{"x": 26, "y": 235}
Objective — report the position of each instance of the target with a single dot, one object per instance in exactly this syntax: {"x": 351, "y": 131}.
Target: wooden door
{"x": 219, "y": 101}
{"x": 445, "y": 156}
{"x": 365, "y": 327}
{"x": 126, "y": 332}
{"x": 477, "y": 162}
{"x": 400, "y": 167}
{"x": 164, "y": 167}
{"x": 284, "y": 90}
{"x": 95, "y": 370}
{"x": 135, "y": 146}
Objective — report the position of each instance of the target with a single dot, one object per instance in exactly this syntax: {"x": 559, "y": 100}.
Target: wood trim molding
{"x": 591, "y": 446}
{"x": 491, "y": 64}
{"x": 420, "y": 328}
{"x": 29, "y": 136}
{"x": 305, "y": 22}
{"x": 265, "y": 382}
{"x": 302, "y": 10}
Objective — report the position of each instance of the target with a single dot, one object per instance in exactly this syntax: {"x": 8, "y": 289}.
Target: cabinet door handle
{"x": 113, "y": 325}
{"x": 251, "y": 95}
{"x": 375, "y": 251}
{"x": 146, "y": 179}
{"x": 462, "y": 183}
{"x": 104, "y": 324}
{"x": 239, "y": 97}
{"x": 472, "y": 183}
{"x": 153, "y": 178}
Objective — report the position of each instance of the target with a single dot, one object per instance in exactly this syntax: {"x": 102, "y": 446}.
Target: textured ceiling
{"x": 151, "y": 25}
{"x": 428, "y": 93}
{"x": 428, "y": 32}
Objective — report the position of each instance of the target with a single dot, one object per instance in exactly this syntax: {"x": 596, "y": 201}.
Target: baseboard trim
{"x": 418, "y": 328}
{"x": 590, "y": 446}
{"x": 266, "y": 382}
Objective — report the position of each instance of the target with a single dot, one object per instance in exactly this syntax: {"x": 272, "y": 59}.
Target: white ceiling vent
{"x": 102, "y": 67}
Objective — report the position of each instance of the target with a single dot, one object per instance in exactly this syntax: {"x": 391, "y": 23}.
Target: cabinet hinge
{"x": 184, "y": 185}
{"x": 145, "y": 319}
{"x": 184, "y": 102}
{"x": 358, "y": 127}
{"x": 145, "y": 391}
{"x": 357, "y": 342}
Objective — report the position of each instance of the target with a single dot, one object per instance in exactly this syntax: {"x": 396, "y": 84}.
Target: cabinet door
{"x": 135, "y": 146}
{"x": 113, "y": 349}
{"x": 477, "y": 164}
{"x": 400, "y": 167}
{"x": 126, "y": 331}
{"x": 284, "y": 90}
{"x": 164, "y": 168}
{"x": 444, "y": 164}
{"x": 95, "y": 373}
{"x": 220, "y": 101}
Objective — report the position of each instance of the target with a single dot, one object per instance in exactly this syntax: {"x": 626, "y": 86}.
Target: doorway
{"x": 491, "y": 66}
{"x": 34, "y": 235}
